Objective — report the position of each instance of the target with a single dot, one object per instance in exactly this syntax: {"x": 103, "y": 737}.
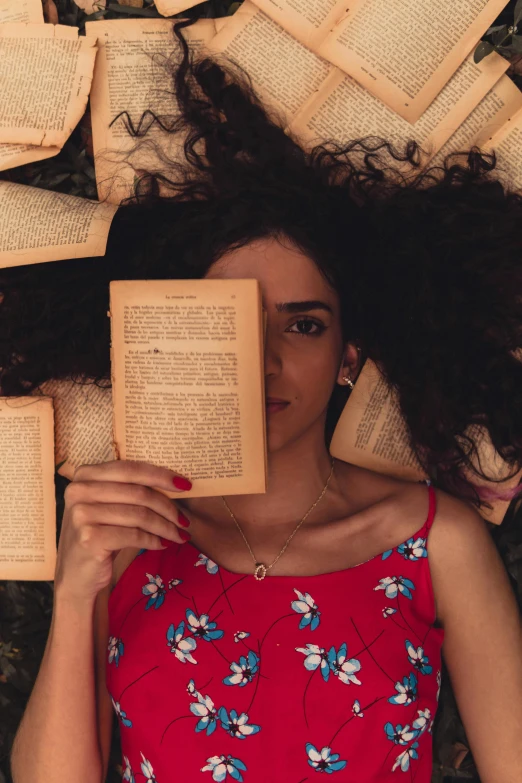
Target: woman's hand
{"x": 108, "y": 507}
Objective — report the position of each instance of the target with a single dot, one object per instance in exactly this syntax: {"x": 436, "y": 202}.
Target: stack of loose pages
{"x": 326, "y": 72}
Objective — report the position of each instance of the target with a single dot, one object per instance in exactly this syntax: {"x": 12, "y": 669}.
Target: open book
{"x": 38, "y": 225}
{"x": 187, "y": 373}
{"x": 403, "y": 53}
{"x": 371, "y": 433}
{"x": 46, "y": 78}
{"x": 130, "y": 76}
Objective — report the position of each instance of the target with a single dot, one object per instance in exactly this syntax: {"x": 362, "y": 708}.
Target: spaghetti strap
{"x": 432, "y": 506}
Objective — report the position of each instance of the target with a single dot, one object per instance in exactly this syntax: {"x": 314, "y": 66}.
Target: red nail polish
{"x": 181, "y": 483}
{"x": 184, "y": 535}
{"x": 166, "y": 542}
{"x": 182, "y": 519}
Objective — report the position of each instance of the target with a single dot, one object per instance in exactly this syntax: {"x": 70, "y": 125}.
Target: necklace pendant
{"x": 260, "y": 571}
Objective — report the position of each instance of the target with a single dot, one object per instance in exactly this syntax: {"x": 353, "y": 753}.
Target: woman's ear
{"x": 350, "y": 364}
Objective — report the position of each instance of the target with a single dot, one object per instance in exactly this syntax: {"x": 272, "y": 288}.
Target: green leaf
{"x": 233, "y": 8}
{"x": 494, "y": 29}
{"x": 483, "y": 49}
{"x": 516, "y": 43}
{"x": 499, "y": 35}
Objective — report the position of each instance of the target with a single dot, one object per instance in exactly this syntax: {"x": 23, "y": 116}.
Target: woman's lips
{"x": 273, "y": 407}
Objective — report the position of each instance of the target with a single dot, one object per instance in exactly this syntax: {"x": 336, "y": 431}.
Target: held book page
{"x": 188, "y": 380}
{"x": 28, "y": 530}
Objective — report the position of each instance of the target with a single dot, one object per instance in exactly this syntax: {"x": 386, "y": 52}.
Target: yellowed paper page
{"x": 12, "y": 155}
{"x": 371, "y": 433}
{"x": 28, "y": 529}
{"x": 82, "y": 424}
{"x": 404, "y": 53}
{"x": 221, "y": 21}
{"x": 187, "y": 380}
{"x": 171, "y": 7}
{"x": 507, "y": 143}
{"x": 130, "y": 76}
{"x": 344, "y": 110}
{"x": 309, "y": 21}
{"x": 39, "y": 225}
{"x": 45, "y": 82}
{"x": 494, "y": 110}
{"x": 283, "y": 71}
{"x": 21, "y": 11}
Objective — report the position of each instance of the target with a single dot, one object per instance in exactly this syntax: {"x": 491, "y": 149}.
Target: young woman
{"x": 299, "y": 631}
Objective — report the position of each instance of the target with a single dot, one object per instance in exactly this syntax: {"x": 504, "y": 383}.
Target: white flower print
{"x": 239, "y": 635}
{"x": 221, "y": 766}
{"x": 212, "y": 567}
{"x": 315, "y": 656}
{"x": 307, "y": 607}
{"x": 391, "y": 585}
{"x": 181, "y": 647}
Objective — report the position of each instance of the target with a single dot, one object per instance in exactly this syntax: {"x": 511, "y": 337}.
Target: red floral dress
{"x": 216, "y": 676}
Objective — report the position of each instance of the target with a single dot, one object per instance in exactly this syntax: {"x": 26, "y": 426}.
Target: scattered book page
{"x": 46, "y": 78}
{"x": 130, "y": 76}
{"x": 404, "y": 53}
{"x": 284, "y": 72}
{"x": 21, "y": 11}
{"x": 188, "y": 380}
{"x": 38, "y": 225}
{"x": 82, "y": 424}
{"x": 343, "y": 110}
{"x": 28, "y": 530}
{"x": 507, "y": 143}
{"x": 221, "y": 21}
{"x": 12, "y": 155}
{"x": 309, "y": 21}
{"x": 372, "y": 434}
{"x": 171, "y": 7}
{"x": 494, "y": 110}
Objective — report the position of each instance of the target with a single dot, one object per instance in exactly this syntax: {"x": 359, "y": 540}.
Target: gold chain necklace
{"x": 261, "y": 569}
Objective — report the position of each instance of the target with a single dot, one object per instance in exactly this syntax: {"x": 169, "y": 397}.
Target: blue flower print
{"x": 201, "y": 628}
{"x": 240, "y": 635}
{"x": 115, "y": 648}
{"x": 155, "y": 589}
{"x": 323, "y": 760}
{"x": 316, "y": 656}
{"x": 206, "y": 713}
{"x": 390, "y": 584}
{"x": 181, "y": 647}
{"x": 388, "y": 611}
{"x": 385, "y": 555}
{"x": 421, "y": 723}
{"x": 306, "y": 607}
{"x": 356, "y": 709}
{"x": 406, "y": 691}
{"x": 237, "y": 726}
{"x": 342, "y": 668}
{"x": 212, "y": 567}
{"x": 400, "y": 735}
{"x": 128, "y": 773}
{"x": 121, "y": 714}
{"x": 417, "y": 658}
{"x": 244, "y": 671}
{"x": 404, "y": 758}
{"x": 221, "y": 767}
{"x": 146, "y": 768}
{"x": 413, "y": 549}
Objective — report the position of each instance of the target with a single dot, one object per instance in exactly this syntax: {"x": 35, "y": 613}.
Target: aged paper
{"x": 283, "y": 71}
{"x": 371, "y": 433}
{"x": 82, "y": 423}
{"x": 404, "y": 53}
{"x": 221, "y": 21}
{"x": 171, "y": 7}
{"x": 28, "y": 529}
{"x": 45, "y": 82}
{"x": 309, "y": 21}
{"x": 507, "y": 143}
{"x": 344, "y": 110}
{"x": 187, "y": 380}
{"x": 499, "y": 105}
{"x": 130, "y": 75}
{"x": 39, "y": 225}
{"x": 21, "y": 11}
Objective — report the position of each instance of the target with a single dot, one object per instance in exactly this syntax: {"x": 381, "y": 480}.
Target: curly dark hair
{"x": 427, "y": 262}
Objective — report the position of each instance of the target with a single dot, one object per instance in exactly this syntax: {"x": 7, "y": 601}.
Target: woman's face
{"x": 304, "y": 347}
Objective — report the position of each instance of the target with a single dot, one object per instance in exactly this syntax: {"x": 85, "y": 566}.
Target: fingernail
{"x": 183, "y": 520}
{"x": 181, "y": 483}
{"x": 184, "y": 535}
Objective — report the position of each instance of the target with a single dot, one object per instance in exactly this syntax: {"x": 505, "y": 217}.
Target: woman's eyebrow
{"x": 297, "y": 307}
